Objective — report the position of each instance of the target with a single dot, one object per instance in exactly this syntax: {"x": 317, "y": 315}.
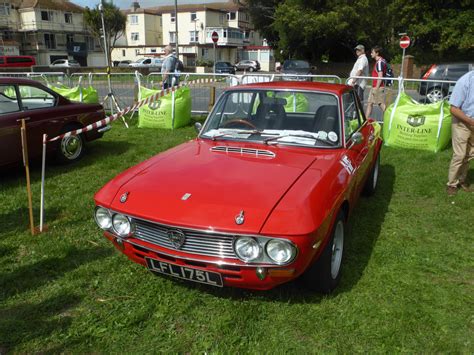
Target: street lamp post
{"x": 176, "y": 26}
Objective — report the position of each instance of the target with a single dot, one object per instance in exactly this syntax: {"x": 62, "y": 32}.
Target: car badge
{"x": 176, "y": 237}
{"x": 186, "y": 196}
{"x": 124, "y": 197}
{"x": 240, "y": 219}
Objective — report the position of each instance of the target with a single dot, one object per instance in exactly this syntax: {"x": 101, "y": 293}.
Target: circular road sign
{"x": 404, "y": 42}
{"x": 215, "y": 37}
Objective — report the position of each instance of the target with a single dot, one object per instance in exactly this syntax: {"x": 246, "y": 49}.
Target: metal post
{"x": 43, "y": 163}
{"x": 214, "y": 68}
{"x": 176, "y": 26}
{"x": 403, "y": 61}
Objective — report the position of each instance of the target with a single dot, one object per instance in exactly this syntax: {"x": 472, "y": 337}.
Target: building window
{"x": 173, "y": 16}
{"x": 193, "y": 36}
{"x": 231, "y": 15}
{"x": 69, "y": 38}
{"x": 134, "y": 20}
{"x": 153, "y": 50}
{"x": 193, "y": 16}
{"x": 134, "y": 36}
{"x": 6, "y": 35}
{"x": 5, "y": 9}
{"x": 50, "y": 41}
{"x": 172, "y": 37}
{"x": 225, "y": 34}
{"x": 124, "y": 52}
{"x": 68, "y": 17}
{"x": 90, "y": 43}
{"x": 137, "y": 52}
{"x": 46, "y": 15}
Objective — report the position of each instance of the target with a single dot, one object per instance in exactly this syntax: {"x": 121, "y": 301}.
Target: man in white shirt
{"x": 361, "y": 68}
{"x": 168, "y": 68}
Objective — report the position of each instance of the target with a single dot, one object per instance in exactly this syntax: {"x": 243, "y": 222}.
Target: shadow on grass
{"x": 35, "y": 275}
{"x": 18, "y": 220}
{"x": 28, "y": 321}
{"x": 364, "y": 228}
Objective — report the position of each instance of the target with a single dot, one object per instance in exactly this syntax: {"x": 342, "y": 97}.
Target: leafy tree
{"x": 114, "y": 23}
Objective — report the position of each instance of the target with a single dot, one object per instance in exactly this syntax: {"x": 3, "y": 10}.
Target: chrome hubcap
{"x": 71, "y": 147}
{"x": 337, "y": 248}
{"x": 435, "y": 95}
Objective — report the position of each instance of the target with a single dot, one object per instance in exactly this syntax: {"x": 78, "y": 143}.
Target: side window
{"x": 352, "y": 118}
{"x": 33, "y": 98}
{"x": 8, "y": 99}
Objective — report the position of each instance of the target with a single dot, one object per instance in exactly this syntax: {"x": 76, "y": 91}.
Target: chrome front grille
{"x": 248, "y": 151}
{"x": 196, "y": 242}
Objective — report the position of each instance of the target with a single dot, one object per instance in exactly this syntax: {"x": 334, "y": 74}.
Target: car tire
{"x": 70, "y": 149}
{"x": 435, "y": 94}
{"x": 251, "y": 69}
{"x": 372, "y": 180}
{"x": 325, "y": 273}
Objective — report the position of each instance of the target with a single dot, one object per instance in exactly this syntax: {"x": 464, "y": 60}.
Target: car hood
{"x": 195, "y": 186}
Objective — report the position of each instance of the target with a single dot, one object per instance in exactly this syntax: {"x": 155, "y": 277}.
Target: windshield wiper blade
{"x": 265, "y": 141}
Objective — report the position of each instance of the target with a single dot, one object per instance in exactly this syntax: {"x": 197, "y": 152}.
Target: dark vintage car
{"x": 45, "y": 111}
{"x": 262, "y": 196}
{"x": 225, "y": 67}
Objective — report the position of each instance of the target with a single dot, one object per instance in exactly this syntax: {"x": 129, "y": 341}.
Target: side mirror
{"x": 356, "y": 138}
{"x": 198, "y": 127}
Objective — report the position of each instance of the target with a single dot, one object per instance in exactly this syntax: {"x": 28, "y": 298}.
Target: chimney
{"x": 135, "y": 6}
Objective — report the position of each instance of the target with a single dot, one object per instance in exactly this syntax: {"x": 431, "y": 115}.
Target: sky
{"x": 124, "y": 4}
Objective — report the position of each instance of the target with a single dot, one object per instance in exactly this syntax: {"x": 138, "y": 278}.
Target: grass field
{"x": 407, "y": 284}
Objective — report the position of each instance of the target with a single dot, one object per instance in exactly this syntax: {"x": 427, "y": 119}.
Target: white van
{"x": 146, "y": 63}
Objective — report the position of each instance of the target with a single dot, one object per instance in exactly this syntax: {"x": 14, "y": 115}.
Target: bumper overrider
{"x": 209, "y": 257}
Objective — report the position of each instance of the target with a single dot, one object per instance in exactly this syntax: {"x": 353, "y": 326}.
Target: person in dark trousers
{"x": 168, "y": 68}
{"x": 361, "y": 68}
{"x": 462, "y": 110}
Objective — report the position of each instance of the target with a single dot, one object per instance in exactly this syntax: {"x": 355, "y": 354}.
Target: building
{"x": 237, "y": 38}
{"x": 48, "y": 30}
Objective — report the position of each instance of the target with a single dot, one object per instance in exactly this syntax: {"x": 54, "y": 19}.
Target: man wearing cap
{"x": 462, "y": 110}
{"x": 361, "y": 68}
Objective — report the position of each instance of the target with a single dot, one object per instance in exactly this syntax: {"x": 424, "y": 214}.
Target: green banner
{"x": 409, "y": 124}
{"x": 159, "y": 114}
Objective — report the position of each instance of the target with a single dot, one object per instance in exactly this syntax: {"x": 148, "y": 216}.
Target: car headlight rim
{"x": 103, "y": 218}
{"x": 274, "y": 249}
{"x": 248, "y": 242}
{"x": 122, "y": 225}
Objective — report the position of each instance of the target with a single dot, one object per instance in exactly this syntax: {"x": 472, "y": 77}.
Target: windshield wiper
{"x": 333, "y": 144}
{"x": 249, "y": 132}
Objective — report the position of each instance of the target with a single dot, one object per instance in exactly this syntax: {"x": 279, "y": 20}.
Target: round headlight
{"x": 122, "y": 225}
{"x": 103, "y": 218}
{"x": 280, "y": 251}
{"x": 247, "y": 249}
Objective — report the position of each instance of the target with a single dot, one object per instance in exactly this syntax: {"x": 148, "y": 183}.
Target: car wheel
{"x": 251, "y": 69}
{"x": 324, "y": 275}
{"x": 435, "y": 95}
{"x": 371, "y": 183}
{"x": 70, "y": 148}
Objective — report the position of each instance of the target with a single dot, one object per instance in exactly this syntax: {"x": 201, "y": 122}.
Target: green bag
{"x": 409, "y": 124}
{"x": 294, "y": 102}
{"x": 79, "y": 94}
{"x": 159, "y": 114}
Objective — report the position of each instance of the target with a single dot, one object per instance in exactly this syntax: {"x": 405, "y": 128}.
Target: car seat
{"x": 270, "y": 116}
{"x": 325, "y": 119}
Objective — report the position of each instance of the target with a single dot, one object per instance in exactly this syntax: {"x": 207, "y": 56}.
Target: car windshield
{"x": 139, "y": 60}
{"x": 73, "y": 62}
{"x": 293, "y": 64}
{"x": 276, "y": 117}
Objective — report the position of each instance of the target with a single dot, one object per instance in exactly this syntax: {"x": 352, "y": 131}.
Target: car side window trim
{"x": 357, "y": 110}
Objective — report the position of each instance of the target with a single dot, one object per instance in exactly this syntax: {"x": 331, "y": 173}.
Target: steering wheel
{"x": 239, "y": 121}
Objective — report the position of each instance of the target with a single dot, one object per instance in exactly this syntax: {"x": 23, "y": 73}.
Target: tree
{"x": 114, "y": 23}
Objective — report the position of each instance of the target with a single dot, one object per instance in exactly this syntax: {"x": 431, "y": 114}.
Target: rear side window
{"x": 8, "y": 99}
{"x": 34, "y": 98}
{"x": 13, "y": 60}
{"x": 456, "y": 71}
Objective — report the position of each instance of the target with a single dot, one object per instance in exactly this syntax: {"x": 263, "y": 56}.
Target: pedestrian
{"x": 462, "y": 110}
{"x": 377, "y": 93}
{"x": 168, "y": 68}
{"x": 361, "y": 68}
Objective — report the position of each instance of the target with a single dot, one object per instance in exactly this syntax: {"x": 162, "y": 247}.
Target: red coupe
{"x": 45, "y": 111}
{"x": 259, "y": 198}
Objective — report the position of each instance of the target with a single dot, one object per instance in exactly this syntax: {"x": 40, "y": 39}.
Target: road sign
{"x": 404, "y": 42}
{"x": 215, "y": 37}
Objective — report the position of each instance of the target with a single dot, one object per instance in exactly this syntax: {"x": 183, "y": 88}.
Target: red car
{"x": 259, "y": 198}
{"x": 45, "y": 112}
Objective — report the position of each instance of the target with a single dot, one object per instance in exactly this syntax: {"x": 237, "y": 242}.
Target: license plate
{"x": 186, "y": 273}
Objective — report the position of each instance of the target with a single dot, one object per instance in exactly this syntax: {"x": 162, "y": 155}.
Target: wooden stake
{"x": 24, "y": 147}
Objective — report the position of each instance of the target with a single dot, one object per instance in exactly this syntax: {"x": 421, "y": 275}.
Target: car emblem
{"x": 416, "y": 120}
{"x": 176, "y": 237}
{"x": 185, "y": 196}
{"x": 124, "y": 197}
{"x": 240, "y": 219}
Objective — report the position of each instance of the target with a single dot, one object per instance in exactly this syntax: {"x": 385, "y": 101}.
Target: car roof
{"x": 295, "y": 85}
{"x": 5, "y": 80}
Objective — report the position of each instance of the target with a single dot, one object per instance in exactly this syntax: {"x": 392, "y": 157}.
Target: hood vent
{"x": 258, "y": 153}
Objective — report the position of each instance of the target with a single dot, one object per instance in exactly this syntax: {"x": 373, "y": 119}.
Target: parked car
{"x": 65, "y": 63}
{"x": 297, "y": 67}
{"x": 436, "y": 91}
{"x": 17, "y": 61}
{"x": 147, "y": 63}
{"x": 273, "y": 185}
{"x": 46, "y": 112}
{"x": 250, "y": 65}
{"x": 225, "y": 67}
{"x": 122, "y": 63}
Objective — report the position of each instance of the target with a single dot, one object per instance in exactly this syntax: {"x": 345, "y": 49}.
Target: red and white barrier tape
{"x": 128, "y": 109}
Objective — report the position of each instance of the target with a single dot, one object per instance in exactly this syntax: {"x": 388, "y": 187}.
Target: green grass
{"x": 407, "y": 284}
